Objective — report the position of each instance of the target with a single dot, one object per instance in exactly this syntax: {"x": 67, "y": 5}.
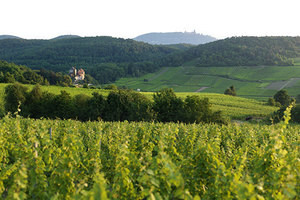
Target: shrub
{"x": 230, "y": 91}
{"x": 283, "y": 98}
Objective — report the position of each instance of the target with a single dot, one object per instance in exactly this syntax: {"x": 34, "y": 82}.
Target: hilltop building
{"x": 77, "y": 75}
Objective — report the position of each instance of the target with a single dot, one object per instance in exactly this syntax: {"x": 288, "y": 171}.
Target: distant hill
{"x": 175, "y": 38}
{"x": 65, "y": 37}
{"x": 241, "y": 51}
{"x": 2, "y": 37}
{"x": 105, "y": 58}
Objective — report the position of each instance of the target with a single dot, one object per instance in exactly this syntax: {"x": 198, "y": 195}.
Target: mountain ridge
{"x": 3, "y": 37}
{"x": 166, "y": 38}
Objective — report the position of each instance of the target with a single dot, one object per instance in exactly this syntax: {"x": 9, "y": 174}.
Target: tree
{"x": 9, "y": 78}
{"x": 127, "y": 105}
{"x": 15, "y": 95}
{"x": 167, "y": 106}
{"x": 33, "y": 106}
{"x": 81, "y": 107}
{"x": 283, "y": 98}
{"x": 230, "y": 91}
{"x": 96, "y": 106}
{"x": 196, "y": 110}
{"x": 63, "y": 107}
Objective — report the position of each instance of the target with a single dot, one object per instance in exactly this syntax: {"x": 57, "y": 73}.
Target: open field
{"x": 252, "y": 82}
{"x": 233, "y": 107}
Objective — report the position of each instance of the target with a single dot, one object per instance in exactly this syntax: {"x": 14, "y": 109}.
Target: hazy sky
{"x": 46, "y": 19}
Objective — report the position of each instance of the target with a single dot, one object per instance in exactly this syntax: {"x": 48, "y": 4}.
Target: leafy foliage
{"x": 282, "y": 98}
{"x": 9, "y": 73}
{"x": 145, "y": 160}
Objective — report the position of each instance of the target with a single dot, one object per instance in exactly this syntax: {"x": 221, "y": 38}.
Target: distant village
{"x": 77, "y": 75}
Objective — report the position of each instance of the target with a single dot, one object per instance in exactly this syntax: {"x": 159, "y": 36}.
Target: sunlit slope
{"x": 233, "y": 107}
{"x": 255, "y": 82}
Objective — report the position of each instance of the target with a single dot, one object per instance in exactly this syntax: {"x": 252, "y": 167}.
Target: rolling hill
{"x": 65, "y": 37}
{"x": 2, "y": 37}
{"x": 240, "y": 51}
{"x": 175, "y": 38}
{"x": 105, "y": 58}
{"x": 108, "y": 59}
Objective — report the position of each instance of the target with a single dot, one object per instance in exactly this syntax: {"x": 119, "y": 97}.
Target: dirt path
{"x": 279, "y": 85}
{"x": 160, "y": 73}
{"x": 201, "y": 89}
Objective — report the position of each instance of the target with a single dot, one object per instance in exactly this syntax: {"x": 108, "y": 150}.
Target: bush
{"x": 272, "y": 102}
{"x": 230, "y": 91}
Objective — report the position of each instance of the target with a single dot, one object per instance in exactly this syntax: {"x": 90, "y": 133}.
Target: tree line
{"x": 119, "y": 105}
{"x": 240, "y": 51}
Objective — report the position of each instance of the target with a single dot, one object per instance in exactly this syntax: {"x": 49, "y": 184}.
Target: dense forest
{"x": 10, "y": 73}
{"x": 241, "y": 51}
{"x": 107, "y": 59}
{"x": 100, "y": 56}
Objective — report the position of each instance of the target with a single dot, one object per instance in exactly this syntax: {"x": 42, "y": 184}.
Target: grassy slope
{"x": 254, "y": 82}
{"x": 234, "y": 107}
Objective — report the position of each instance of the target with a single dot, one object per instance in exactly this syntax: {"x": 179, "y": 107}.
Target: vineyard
{"x": 66, "y": 159}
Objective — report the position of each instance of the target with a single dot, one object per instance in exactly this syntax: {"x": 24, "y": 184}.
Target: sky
{"x": 46, "y": 19}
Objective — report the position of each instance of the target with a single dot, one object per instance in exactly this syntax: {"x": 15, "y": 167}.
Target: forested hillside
{"x": 9, "y": 73}
{"x": 105, "y": 58}
{"x": 241, "y": 51}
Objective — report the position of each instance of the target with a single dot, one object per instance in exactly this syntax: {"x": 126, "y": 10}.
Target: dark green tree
{"x": 167, "y": 106}
{"x": 127, "y": 105}
{"x": 282, "y": 97}
{"x": 96, "y": 106}
{"x": 33, "y": 104}
{"x": 81, "y": 107}
{"x": 230, "y": 91}
{"x": 9, "y": 78}
{"x": 196, "y": 110}
{"x": 15, "y": 95}
{"x": 63, "y": 106}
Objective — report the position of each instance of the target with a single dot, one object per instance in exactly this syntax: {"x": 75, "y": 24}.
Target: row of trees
{"x": 119, "y": 105}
